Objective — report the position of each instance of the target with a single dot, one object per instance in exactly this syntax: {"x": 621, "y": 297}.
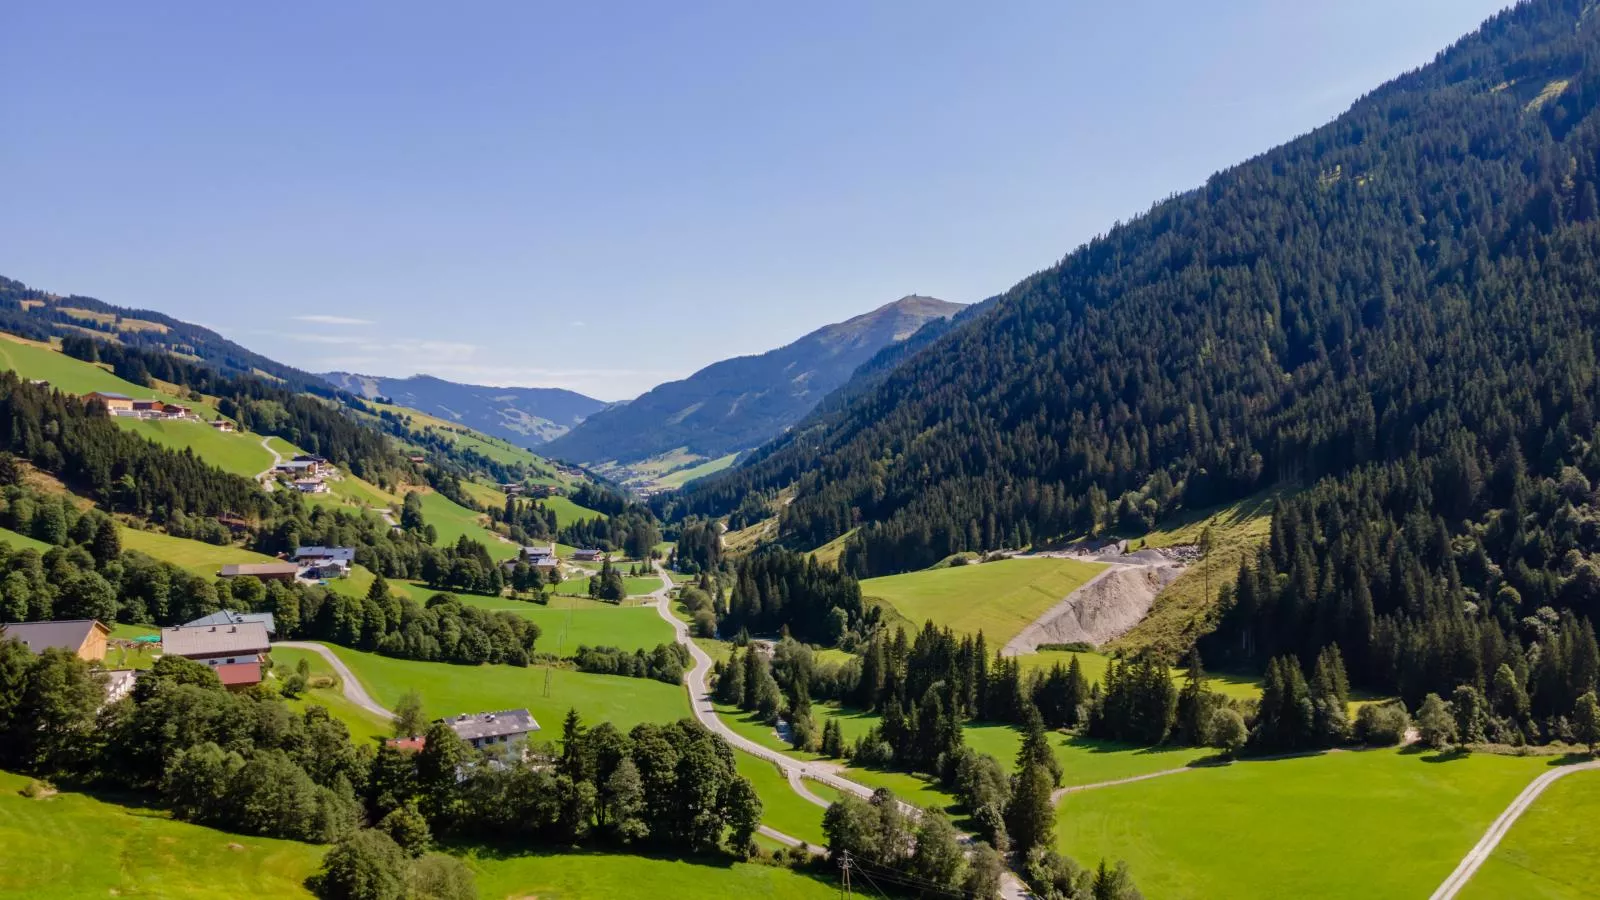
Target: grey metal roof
{"x": 346, "y": 554}
{"x": 67, "y": 634}
{"x": 507, "y": 722}
{"x": 229, "y": 617}
{"x": 213, "y": 640}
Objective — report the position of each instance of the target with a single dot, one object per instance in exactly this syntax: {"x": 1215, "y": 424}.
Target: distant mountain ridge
{"x": 741, "y": 403}
{"x": 522, "y": 415}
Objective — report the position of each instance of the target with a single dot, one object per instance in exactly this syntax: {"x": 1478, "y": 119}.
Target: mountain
{"x": 40, "y": 315}
{"x": 1402, "y": 301}
{"x": 524, "y": 416}
{"x": 740, "y": 403}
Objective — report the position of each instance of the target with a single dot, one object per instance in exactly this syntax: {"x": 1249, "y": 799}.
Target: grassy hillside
{"x": 1377, "y": 824}
{"x": 238, "y": 452}
{"x": 363, "y": 725}
{"x": 568, "y": 512}
{"x": 449, "y": 689}
{"x": 1549, "y": 854}
{"x": 569, "y": 622}
{"x": 451, "y": 520}
{"x": 579, "y": 876}
{"x": 22, "y": 541}
{"x": 998, "y": 598}
{"x": 75, "y": 846}
{"x": 196, "y": 556}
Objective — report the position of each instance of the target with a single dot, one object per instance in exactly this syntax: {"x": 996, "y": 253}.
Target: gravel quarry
{"x": 1109, "y": 604}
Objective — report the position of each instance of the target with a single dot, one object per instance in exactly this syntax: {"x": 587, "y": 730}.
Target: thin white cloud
{"x": 321, "y": 319}
{"x": 577, "y": 323}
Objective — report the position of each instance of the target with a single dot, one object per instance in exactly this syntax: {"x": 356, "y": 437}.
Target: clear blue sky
{"x": 604, "y": 196}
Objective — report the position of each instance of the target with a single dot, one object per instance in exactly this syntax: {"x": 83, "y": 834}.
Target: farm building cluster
{"x": 309, "y": 564}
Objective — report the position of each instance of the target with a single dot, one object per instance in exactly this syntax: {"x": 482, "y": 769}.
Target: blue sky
{"x": 605, "y": 196}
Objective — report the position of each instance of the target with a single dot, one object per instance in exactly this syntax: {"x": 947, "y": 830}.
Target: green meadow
{"x": 364, "y": 726}
{"x": 1374, "y": 824}
{"x": 448, "y": 689}
{"x": 1551, "y": 851}
{"x": 20, "y": 541}
{"x": 782, "y": 808}
{"x": 451, "y": 520}
{"x": 998, "y": 598}
{"x": 568, "y": 512}
{"x": 584, "y": 875}
{"x": 73, "y": 845}
{"x": 237, "y": 452}
{"x": 196, "y": 556}
{"x": 635, "y": 586}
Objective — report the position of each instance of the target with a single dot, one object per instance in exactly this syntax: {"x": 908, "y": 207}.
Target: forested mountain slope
{"x": 525, "y": 416}
{"x": 1415, "y": 281}
{"x": 40, "y": 315}
{"x": 740, "y": 403}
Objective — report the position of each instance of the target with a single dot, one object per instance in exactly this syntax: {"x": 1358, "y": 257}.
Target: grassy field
{"x": 1376, "y": 824}
{"x": 683, "y": 476}
{"x": 569, "y": 622}
{"x": 636, "y": 586}
{"x": 781, "y": 807}
{"x": 568, "y": 512}
{"x": 828, "y": 554}
{"x": 449, "y": 689}
{"x": 999, "y": 598}
{"x": 238, "y": 452}
{"x": 451, "y": 520}
{"x": 72, "y": 845}
{"x": 1549, "y": 854}
{"x": 1236, "y": 531}
{"x": 196, "y": 556}
{"x": 364, "y": 726}
{"x": 32, "y": 359}
{"x": 22, "y": 541}
{"x": 581, "y": 876}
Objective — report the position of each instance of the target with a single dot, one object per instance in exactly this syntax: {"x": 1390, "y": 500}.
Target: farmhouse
{"x": 114, "y": 403}
{"x": 229, "y": 617}
{"x": 505, "y": 729}
{"x": 325, "y": 562}
{"x": 296, "y": 467}
{"x": 273, "y": 571}
{"x": 222, "y": 425}
{"x": 84, "y": 637}
{"x": 234, "y": 652}
{"x": 587, "y": 555}
{"x": 310, "y": 485}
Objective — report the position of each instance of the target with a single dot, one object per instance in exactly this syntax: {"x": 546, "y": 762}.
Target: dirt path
{"x": 1476, "y": 857}
{"x": 1012, "y": 887}
{"x": 1059, "y": 793}
{"x": 353, "y": 691}
{"x": 267, "y": 484}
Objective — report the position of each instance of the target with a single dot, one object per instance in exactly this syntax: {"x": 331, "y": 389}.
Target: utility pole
{"x": 844, "y": 870}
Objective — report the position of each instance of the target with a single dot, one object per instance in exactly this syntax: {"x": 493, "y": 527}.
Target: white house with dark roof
{"x": 506, "y": 729}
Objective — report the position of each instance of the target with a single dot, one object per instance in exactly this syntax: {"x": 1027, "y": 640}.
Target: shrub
{"x": 1382, "y": 724}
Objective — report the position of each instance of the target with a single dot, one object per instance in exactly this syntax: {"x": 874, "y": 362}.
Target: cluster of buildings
{"x": 123, "y": 405}
{"x": 306, "y": 473}
{"x": 307, "y": 564}
{"x": 235, "y": 645}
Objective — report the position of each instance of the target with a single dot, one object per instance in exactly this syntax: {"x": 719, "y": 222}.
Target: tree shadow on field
{"x": 1571, "y": 758}
{"x": 1430, "y": 755}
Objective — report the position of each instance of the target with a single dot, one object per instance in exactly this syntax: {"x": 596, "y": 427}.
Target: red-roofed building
{"x": 238, "y": 674}
{"x": 410, "y": 743}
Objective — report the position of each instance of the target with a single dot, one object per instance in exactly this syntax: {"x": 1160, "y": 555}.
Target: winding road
{"x": 794, "y": 770}
{"x": 353, "y": 691}
{"x": 267, "y": 484}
